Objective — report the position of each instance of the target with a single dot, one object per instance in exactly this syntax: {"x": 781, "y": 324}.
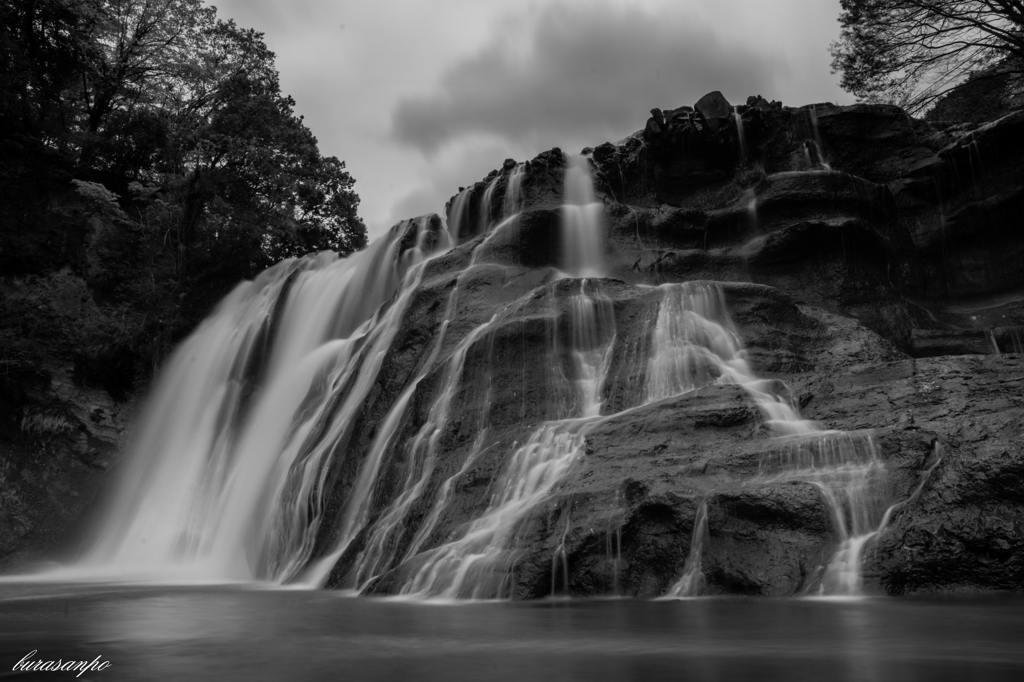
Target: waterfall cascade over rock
{"x": 703, "y": 360}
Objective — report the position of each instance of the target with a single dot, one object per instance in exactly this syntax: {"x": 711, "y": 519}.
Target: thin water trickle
{"x": 560, "y": 560}
{"x": 514, "y": 191}
{"x": 692, "y": 582}
{"x": 740, "y": 132}
{"x": 755, "y": 225}
{"x": 486, "y": 204}
{"x": 613, "y": 543}
{"x": 817, "y": 140}
{"x": 993, "y": 342}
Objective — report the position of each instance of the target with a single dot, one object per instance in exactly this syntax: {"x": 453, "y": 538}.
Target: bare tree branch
{"x": 911, "y": 52}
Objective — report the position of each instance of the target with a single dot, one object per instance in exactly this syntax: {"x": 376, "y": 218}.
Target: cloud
{"x": 572, "y": 73}
{"x": 460, "y": 164}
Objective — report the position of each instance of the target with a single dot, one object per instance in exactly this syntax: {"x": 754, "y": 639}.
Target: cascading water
{"x": 459, "y": 209}
{"x": 692, "y": 582}
{"x": 486, "y": 204}
{"x": 226, "y": 479}
{"x": 514, "y": 191}
{"x": 817, "y": 141}
{"x": 846, "y": 468}
{"x": 583, "y": 235}
{"x": 694, "y": 343}
{"x": 613, "y": 543}
{"x": 458, "y": 215}
{"x": 740, "y": 132}
{"x": 478, "y": 564}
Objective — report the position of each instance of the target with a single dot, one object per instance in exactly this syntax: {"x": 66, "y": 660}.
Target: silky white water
{"x": 583, "y": 231}
{"x": 458, "y": 214}
{"x": 478, "y": 565}
{"x": 225, "y": 479}
{"x": 694, "y": 344}
{"x": 741, "y": 134}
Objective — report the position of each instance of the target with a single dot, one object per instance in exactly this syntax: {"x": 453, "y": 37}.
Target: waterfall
{"x": 235, "y": 473}
{"x": 993, "y": 342}
{"x": 479, "y": 564}
{"x": 694, "y": 343}
{"x": 613, "y": 543}
{"x": 692, "y": 582}
{"x": 846, "y": 469}
{"x": 458, "y": 215}
{"x": 817, "y": 141}
{"x": 225, "y": 479}
{"x": 514, "y": 191}
{"x": 740, "y": 132}
{"x": 422, "y": 457}
{"x": 583, "y": 231}
{"x": 484, "y": 222}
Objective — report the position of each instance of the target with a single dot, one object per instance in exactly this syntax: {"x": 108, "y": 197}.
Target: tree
{"x": 44, "y": 45}
{"x": 911, "y": 52}
{"x": 181, "y": 115}
{"x": 162, "y": 93}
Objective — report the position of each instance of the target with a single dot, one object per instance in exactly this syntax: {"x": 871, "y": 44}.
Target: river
{"x": 239, "y": 632}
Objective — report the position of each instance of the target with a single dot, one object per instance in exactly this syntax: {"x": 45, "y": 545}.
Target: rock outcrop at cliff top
{"x": 871, "y": 261}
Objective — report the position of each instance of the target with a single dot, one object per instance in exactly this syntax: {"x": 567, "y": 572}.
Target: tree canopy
{"x": 911, "y": 52}
{"x": 161, "y": 100}
{"x": 146, "y": 144}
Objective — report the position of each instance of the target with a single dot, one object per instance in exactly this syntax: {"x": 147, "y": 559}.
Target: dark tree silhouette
{"x": 911, "y": 52}
{"x": 172, "y": 122}
{"x": 162, "y": 96}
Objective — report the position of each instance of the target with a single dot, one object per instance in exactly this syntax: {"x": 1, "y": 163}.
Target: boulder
{"x": 714, "y": 105}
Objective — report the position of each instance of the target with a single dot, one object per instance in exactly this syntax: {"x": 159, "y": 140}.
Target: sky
{"x": 422, "y": 97}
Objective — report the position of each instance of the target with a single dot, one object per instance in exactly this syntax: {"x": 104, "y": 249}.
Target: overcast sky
{"x": 420, "y": 97}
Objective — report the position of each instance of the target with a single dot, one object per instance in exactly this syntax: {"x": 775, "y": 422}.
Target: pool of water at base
{"x": 249, "y": 633}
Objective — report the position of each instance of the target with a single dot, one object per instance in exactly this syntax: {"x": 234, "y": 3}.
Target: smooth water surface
{"x": 239, "y": 633}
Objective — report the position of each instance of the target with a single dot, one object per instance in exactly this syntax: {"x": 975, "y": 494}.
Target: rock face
{"x": 853, "y": 264}
{"x": 871, "y": 262}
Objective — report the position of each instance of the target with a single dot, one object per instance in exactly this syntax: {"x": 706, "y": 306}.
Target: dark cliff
{"x": 871, "y": 261}
{"x": 872, "y": 266}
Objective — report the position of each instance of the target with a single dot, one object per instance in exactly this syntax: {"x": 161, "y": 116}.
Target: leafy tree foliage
{"x": 181, "y": 116}
{"x": 910, "y": 52}
{"x": 162, "y": 93}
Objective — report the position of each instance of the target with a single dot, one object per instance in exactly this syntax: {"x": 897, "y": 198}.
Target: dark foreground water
{"x": 231, "y": 633}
